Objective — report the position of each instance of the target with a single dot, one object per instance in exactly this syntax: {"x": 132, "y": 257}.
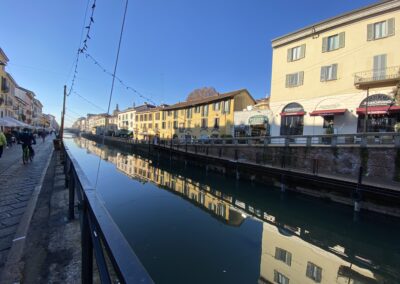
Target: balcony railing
{"x": 381, "y": 77}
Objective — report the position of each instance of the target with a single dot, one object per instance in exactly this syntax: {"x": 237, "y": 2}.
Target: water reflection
{"x": 301, "y": 241}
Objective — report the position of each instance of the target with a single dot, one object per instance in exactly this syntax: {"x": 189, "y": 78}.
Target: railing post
{"x": 308, "y": 141}
{"x": 333, "y": 141}
{"x": 71, "y": 191}
{"x": 87, "y": 247}
{"x": 397, "y": 141}
{"x": 286, "y": 141}
{"x": 364, "y": 140}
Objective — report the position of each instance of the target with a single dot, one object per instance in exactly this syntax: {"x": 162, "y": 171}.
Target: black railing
{"x": 99, "y": 233}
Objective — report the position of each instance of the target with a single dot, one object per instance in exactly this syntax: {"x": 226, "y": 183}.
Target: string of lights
{"x": 87, "y": 55}
{"x": 89, "y": 101}
{"x": 83, "y": 48}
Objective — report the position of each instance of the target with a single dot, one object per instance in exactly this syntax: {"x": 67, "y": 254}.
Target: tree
{"x": 202, "y": 93}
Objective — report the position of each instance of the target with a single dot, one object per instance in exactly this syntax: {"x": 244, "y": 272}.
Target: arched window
{"x": 292, "y": 119}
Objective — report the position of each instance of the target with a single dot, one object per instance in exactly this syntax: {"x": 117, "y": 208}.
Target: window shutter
{"x": 323, "y": 74}
{"x": 300, "y": 79}
{"x": 341, "y": 39}
{"x": 288, "y": 258}
{"x": 303, "y": 51}
{"x": 289, "y": 55}
{"x": 276, "y": 277}
{"x": 391, "y": 26}
{"x": 309, "y": 269}
{"x": 370, "y": 32}
{"x": 318, "y": 277}
{"x": 325, "y": 44}
{"x": 334, "y": 71}
{"x": 287, "y": 80}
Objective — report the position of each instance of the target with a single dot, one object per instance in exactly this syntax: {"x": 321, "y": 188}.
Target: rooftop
{"x": 337, "y": 21}
{"x": 205, "y": 100}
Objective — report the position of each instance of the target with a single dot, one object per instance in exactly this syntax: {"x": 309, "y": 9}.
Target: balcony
{"x": 377, "y": 78}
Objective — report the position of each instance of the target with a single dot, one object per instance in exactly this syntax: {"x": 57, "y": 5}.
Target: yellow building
{"x": 205, "y": 117}
{"x": 323, "y": 73}
{"x": 147, "y": 122}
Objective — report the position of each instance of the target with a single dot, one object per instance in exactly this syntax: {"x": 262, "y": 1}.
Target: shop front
{"x": 330, "y": 112}
{"x": 292, "y": 119}
{"x": 259, "y": 126}
{"x": 377, "y": 113}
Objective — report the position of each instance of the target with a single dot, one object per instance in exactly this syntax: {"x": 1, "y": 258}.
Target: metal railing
{"x": 377, "y": 75}
{"x": 333, "y": 140}
{"x": 99, "y": 233}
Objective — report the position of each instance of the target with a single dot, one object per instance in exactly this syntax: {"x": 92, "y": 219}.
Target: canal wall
{"x": 330, "y": 173}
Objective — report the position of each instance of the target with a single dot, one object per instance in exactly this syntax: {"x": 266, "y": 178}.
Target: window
{"x": 157, "y": 116}
{"x": 189, "y": 113}
{"x": 329, "y": 72}
{"x": 294, "y": 79}
{"x": 204, "y": 123}
{"x": 150, "y": 116}
{"x": 296, "y": 53}
{"x": 217, "y": 106}
{"x": 280, "y": 278}
{"x": 379, "y": 72}
{"x": 150, "y": 125}
{"x": 175, "y": 114}
{"x": 205, "y": 110}
{"x": 381, "y": 29}
{"x": 216, "y": 123}
{"x": 333, "y": 42}
{"x": 175, "y": 124}
{"x": 314, "y": 272}
{"x": 141, "y": 117}
{"x": 163, "y": 115}
{"x": 227, "y": 106}
{"x": 283, "y": 255}
{"x": 163, "y": 125}
{"x": 136, "y": 118}
{"x": 197, "y": 109}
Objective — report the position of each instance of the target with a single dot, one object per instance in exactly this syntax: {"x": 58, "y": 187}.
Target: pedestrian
{"x": 8, "y": 135}
{"x": 43, "y": 134}
{"x": 3, "y": 142}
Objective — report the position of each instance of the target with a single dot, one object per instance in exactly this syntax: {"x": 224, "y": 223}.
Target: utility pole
{"x": 63, "y": 114}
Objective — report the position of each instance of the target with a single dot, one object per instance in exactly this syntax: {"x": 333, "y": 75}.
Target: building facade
{"x": 323, "y": 74}
{"x": 203, "y": 118}
{"x": 126, "y": 119}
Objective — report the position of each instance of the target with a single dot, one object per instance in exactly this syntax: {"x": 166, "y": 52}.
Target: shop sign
{"x": 293, "y": 107}
{"x": 377, "y": 100}
{"x": 258, "y": 119}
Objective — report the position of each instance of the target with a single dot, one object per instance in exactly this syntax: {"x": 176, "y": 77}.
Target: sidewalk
{"x": 18, "y": 183}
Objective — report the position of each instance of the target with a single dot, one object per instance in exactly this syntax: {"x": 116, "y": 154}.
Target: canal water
{"x": 191, "y": 226}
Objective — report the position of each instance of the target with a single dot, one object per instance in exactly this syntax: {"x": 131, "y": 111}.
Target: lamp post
{"x": 366, "y": 112}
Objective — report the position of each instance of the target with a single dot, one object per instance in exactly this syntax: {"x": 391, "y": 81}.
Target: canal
{"x": 191, "y": 226}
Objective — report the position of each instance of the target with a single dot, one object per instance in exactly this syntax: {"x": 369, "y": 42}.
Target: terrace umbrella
{"x": 6, "y": 123}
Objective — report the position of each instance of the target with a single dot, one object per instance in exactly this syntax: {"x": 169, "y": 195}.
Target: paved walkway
{"x": 17, "y": 183}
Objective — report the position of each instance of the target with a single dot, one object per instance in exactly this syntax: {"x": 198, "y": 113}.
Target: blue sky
{"x": 169, "y": 47}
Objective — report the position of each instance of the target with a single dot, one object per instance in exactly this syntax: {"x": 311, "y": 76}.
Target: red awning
{"x": 327, "y": 112}
{"x": 379, "y": 109}
{"x": 292, "y": 113}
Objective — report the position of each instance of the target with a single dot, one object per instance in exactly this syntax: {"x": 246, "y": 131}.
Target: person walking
{"x": 3, "y": 142}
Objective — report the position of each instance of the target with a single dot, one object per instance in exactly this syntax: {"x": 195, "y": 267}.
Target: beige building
{"x": 323, "y": 73}
{"x": 126, "y": 119}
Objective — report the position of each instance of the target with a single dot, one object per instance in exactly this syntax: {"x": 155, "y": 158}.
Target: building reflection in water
{"x": 286, "y": 254}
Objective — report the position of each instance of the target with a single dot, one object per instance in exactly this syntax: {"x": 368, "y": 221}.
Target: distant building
{"x": 322, "y": 74}
{"x": 254, "y": 120}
